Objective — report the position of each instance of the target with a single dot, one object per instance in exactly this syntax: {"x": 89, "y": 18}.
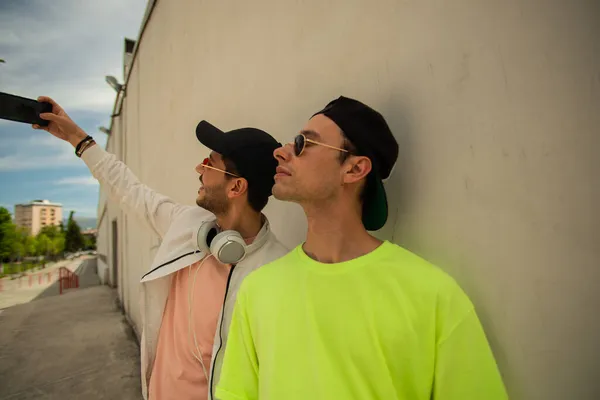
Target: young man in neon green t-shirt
{"x": 345, "y": 315}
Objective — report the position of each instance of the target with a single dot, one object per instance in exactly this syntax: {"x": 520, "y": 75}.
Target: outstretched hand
{"x": 60, "y": 124}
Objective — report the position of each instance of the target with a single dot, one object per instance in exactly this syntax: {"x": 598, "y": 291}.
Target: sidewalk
{"x": 74, "y": 346}
{"x": 42, "y": 283}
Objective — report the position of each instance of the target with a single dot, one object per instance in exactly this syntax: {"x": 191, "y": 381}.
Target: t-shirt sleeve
{"x": 239, "y": 374}
{"x": 465, "y": 365}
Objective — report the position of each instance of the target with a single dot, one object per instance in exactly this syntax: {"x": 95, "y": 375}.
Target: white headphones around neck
{"x": 228, "y": 247}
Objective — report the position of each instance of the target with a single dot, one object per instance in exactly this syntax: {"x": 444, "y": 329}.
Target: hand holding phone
{"x": 43, "y": 113}
{"x": 60, "y": 124}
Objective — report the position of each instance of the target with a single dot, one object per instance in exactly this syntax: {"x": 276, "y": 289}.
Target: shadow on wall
{"x": 404, "y": 229}
{"x": 397, "y": 187}
{"x": 88, "y": 276}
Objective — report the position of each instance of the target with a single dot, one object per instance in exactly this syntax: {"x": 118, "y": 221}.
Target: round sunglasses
{"x": 300, "y": 144}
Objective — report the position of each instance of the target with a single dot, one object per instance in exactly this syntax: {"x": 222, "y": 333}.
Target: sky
{"x": 62, "y": 49}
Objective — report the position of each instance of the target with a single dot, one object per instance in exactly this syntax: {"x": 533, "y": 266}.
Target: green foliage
{"x": 73, "y": 238}
{"x": 58, "y": 245}
{"x": 52, "y": 231}
{"x": 5, "y": 216}
{"x": 43, "y": 245}
{"x": 16, "y": 268}
{"x": 89, "y": 242}
{"x": 51, "y": 242}
{"x": 8, "y": 236}
{"x": 30, "y": 246}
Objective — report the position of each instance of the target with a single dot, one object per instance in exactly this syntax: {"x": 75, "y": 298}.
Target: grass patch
{"x": 9, "y": 269}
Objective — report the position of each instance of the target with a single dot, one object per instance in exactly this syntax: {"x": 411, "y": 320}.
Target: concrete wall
{"x": 496, "y": 108}
{"x": 108, "y": 213}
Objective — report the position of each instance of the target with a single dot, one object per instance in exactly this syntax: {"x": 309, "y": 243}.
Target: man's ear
{"x": 238, "y": 188}
{"x": 358, "y": 168}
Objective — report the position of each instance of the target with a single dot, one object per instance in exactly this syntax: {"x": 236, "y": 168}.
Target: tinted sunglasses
{"x": 206, "y": 164}
{"x": 300, "y": 143}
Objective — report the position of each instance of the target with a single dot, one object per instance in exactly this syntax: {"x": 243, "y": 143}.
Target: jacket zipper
{"x": 212, "y": 373}
{"x": 169, "y": 262}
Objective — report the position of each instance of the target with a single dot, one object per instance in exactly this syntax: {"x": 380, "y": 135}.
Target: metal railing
{"x": 67, "y": 279}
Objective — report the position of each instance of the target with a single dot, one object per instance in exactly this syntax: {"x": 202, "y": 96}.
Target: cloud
{"x": 37, "y": 153}
{"x": 37, "y": 150}
{"x": 19, "y": 162}
{"x": 66, "y": 49}
{"x": 78, "y": 180}
{"x": 62, "y": 49}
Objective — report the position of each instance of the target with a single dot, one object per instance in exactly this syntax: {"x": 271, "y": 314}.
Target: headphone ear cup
{"x": 206, "y": 234}
{"x": 228, "y": 247}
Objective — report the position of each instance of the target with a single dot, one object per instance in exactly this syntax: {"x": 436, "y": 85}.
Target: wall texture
{"x": 495, "y": 104}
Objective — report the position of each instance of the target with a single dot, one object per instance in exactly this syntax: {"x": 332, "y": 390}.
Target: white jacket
{"x": 177, "y": 225}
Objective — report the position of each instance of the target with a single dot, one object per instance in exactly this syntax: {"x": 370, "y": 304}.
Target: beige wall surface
{"x": 495, "y": 105}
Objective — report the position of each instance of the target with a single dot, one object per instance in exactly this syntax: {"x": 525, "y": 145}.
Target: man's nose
{"x": 283, "y": 153}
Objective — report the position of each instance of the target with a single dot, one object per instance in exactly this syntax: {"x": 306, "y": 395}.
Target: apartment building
{"x": 35, "y": 215}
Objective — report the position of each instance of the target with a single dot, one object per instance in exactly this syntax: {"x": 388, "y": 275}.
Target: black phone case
{"x": 21, "y": 109}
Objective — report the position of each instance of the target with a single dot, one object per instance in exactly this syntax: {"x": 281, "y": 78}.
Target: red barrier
{"x": 67, "y": 279}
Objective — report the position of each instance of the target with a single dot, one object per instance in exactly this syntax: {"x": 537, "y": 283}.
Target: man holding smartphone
{"x": 187, "y": 295}
{"x": 345, "y": 315}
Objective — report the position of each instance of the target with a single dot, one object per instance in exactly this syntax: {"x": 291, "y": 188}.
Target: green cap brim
{"x": 375, "y": 206}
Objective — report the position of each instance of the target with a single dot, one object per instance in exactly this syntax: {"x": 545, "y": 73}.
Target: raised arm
{"x": 122, "y": 185}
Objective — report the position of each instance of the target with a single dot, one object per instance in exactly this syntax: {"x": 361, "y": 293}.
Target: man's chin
{"x": 281, "y": 194}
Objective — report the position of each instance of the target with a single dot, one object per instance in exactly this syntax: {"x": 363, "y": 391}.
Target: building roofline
{"x": 119, "y": 99}
{"x": 38, "y": 203}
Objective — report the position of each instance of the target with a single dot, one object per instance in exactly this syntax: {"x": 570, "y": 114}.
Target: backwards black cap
{"x": 250, "y": 149}
{"x": 370, "y": 134}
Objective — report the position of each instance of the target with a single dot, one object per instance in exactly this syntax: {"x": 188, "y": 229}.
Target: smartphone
{"x": 21, "y": 109}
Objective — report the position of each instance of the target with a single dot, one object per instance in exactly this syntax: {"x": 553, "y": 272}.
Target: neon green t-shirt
{"x": 387, "y": 325}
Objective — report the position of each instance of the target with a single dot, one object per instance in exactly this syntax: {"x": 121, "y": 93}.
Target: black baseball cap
{"x": 370, "y": 134}
{"x": 251, "y": 150}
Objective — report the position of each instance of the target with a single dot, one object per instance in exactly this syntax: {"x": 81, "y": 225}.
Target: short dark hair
{"x": 351, "y": 148}
{"x": 256, "y": 199}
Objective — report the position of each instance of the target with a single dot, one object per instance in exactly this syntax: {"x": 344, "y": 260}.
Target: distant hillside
{"x": 83, "y": 222}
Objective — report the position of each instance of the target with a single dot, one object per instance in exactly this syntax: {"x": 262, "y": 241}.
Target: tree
{"x": 52, "y": 231}
{"x": 22, "y": 243}
{"x": 8, "y": 235}
{"x": 5, "y": 216}
{"x": 30, "y": 246}
{"x": 43, "y": 245}
{"x": 73, "y": 237}
{"x": 18, "y": 250}
{"x": 90, "y": 242}
{"x": 58, "y": 246}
